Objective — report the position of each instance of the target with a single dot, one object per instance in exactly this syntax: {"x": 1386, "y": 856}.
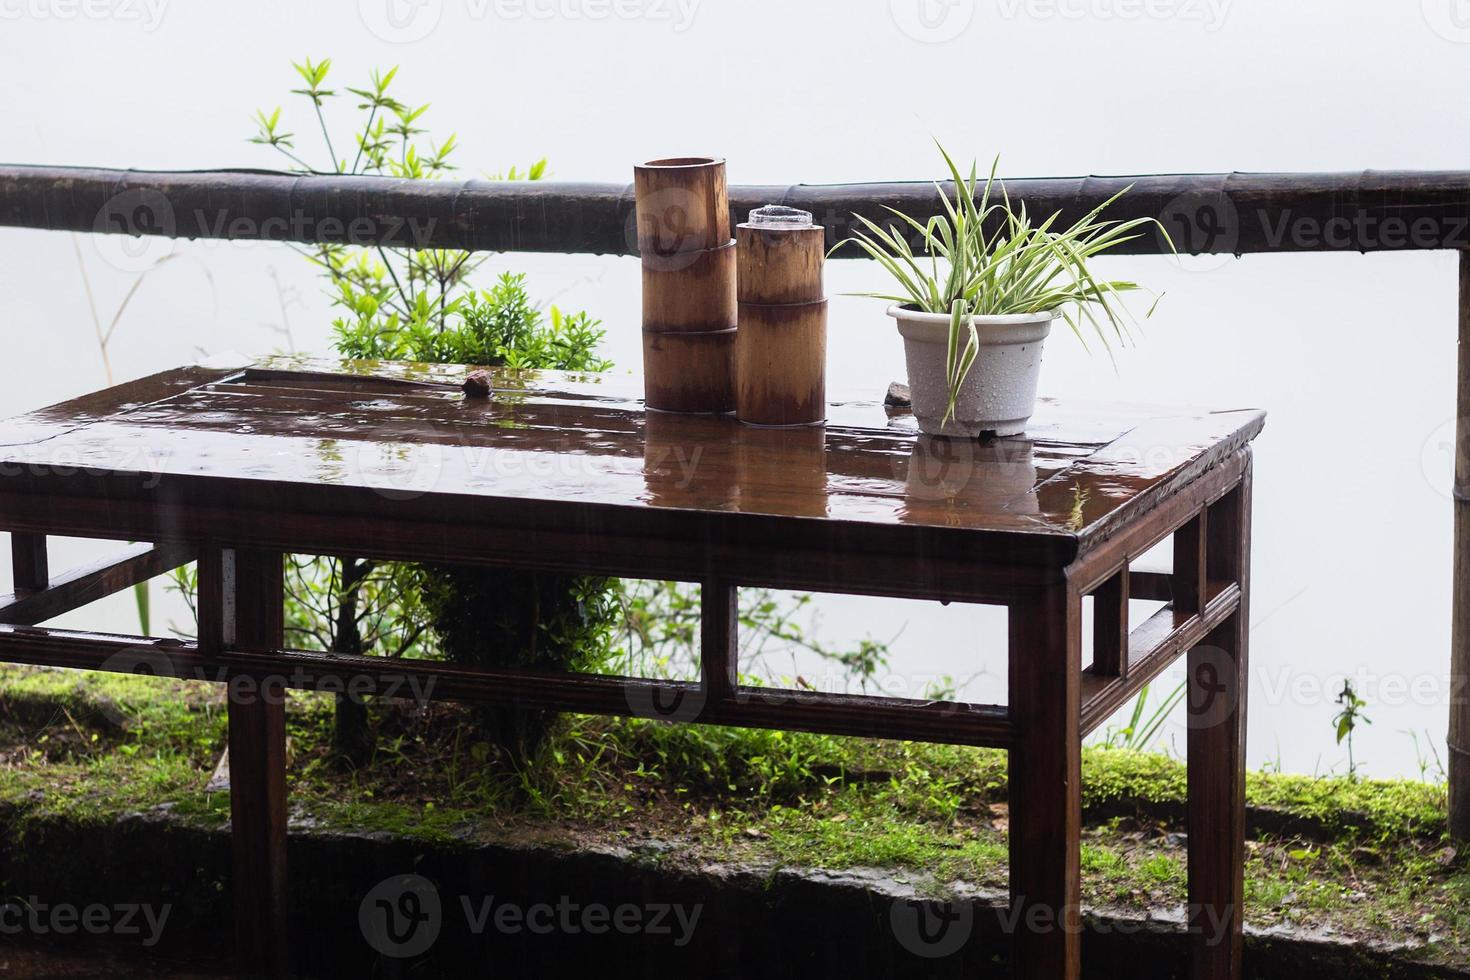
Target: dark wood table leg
{"x": 29, "y": 562}
{"x": 1216, "y": 754}
{"x": 241, "y": 601}
{"x": 719, "y": 644}
{"x": 1045, "y": 785}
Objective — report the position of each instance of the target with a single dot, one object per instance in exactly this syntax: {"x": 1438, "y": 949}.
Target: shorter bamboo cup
{"x": 780, "y": 364}
{"x": 682, "y": 205}
{"x": 689, "y": 372}
{"x": 781, "y": 262}
{"x": 781, "y": 351}
{"x": 690, "y": 292}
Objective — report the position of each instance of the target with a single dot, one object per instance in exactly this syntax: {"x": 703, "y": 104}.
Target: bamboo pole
{"x": 1459, "y": 733}
{"x": 1210, "y": 213}
{"x": 682, "y": 215}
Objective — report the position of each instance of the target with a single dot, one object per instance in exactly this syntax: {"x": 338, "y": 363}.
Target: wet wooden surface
{"x": 570, "y": 472}
{"x": 406, "y": 434}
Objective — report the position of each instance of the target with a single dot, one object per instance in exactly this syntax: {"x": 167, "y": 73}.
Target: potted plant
{"x": 978, "y": 300}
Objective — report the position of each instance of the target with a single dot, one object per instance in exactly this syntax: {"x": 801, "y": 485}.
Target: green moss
{"x": 1382, "y": 807}
{"x": 427, "y": 823}
{"x": 101, "y": 789}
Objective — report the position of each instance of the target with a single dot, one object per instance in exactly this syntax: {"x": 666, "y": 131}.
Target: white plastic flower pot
{"x": 999, "y": 393}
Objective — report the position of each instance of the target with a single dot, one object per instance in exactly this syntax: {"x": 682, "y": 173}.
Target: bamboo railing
{"x": 1226, "y": 213}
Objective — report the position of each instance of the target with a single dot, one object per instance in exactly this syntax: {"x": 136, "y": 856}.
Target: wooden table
{"x": 565, "y": 472}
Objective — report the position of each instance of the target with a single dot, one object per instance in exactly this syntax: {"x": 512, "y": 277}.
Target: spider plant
{"x": 984, "y": 257}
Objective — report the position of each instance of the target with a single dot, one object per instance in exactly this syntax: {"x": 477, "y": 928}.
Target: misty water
{"x": 1352, "y": 356}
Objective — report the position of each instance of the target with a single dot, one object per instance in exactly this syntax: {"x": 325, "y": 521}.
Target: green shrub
{"x": 419, "y": 305}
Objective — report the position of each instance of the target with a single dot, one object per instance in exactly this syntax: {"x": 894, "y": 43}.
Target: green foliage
{"x": 538, "y": 621}
{"x": 409, "y": 303}
{"x": 383, "y": 600}
{"x": 402, "y": 297}
{"x": 513, "y": 618}
{"x": 1348, "y": 719}
{"x": 384, "y": 140}
{"x": 1014, "y": 266}
{"x": 497, "y": 326}
{"x": 1144, "y": 722}
{"x": 660, "y": 624}
{"x": 385, "y": 616}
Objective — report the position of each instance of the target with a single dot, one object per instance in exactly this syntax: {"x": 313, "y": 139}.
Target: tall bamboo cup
{"x": 689, "y": 270}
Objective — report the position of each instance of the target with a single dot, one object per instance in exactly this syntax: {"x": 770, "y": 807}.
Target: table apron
{"x": 962, "y": 568}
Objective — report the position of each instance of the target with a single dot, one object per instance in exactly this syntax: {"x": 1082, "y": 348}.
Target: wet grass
{"x": 1367, "y": 859}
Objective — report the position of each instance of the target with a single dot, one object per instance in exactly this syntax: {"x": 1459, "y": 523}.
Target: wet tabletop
{"x": 408, "y": 432}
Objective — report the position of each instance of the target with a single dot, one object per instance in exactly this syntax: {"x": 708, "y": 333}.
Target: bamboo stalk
{"x": 682, "y": 205}
{"x": 1211, "y": 213}
{"x": 781, "y": 364}
{"x": 781, "y": 265}
{"x": 1459, "y": 732}
{"x": 691, "y": 292}
{"x": 689, "y": 315}
{"x": 689, "y": 372}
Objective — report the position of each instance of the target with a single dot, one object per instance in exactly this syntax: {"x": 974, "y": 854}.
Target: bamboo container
{"x": 691, "y": 292}
{"x": 689, "y": 372}
{"x": 781, "y": 261}
{"x": 682, "y": 205}
{"x": 781, "y": 345}
{"x": 780, "y": 364}
{"x": 689, "y": 306}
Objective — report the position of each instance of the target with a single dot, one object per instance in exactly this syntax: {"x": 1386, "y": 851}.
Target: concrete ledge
{"x": 531, "y": 908}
